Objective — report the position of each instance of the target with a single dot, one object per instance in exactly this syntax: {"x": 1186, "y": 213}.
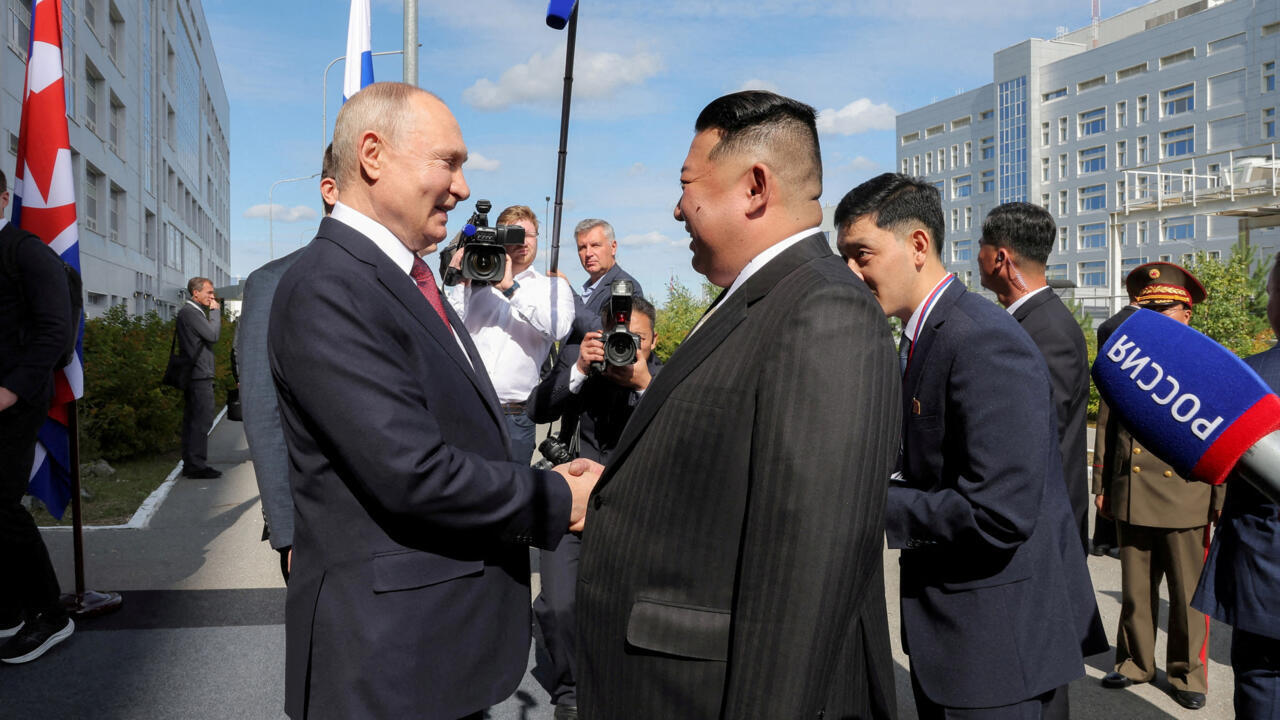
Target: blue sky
{"x": 643, "y": 72}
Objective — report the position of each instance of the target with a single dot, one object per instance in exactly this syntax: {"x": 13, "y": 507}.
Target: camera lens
{"x": 620, "y": 349}
{"x": 485, "y": 263}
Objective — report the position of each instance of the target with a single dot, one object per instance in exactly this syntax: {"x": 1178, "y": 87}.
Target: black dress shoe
{"x": 1189, "y": 700}
{"x": 204, "y": 473}
{"x": 1115, "y": 681}
{"x": 1099, "y": 550}
{"x": 568, "y": 712}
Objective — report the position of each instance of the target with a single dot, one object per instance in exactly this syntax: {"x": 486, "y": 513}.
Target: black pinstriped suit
{"x": 731, "y": 563}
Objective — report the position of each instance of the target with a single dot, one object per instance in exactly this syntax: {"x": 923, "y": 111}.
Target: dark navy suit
{"x": 997, "y": 605}
{"x": 409, "y": 595}
{"x": 587, "y": 312}
{"x": 1240, "y": 584}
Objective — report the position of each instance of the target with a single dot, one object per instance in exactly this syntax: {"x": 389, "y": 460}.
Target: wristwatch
{"x": 511, "y": 290}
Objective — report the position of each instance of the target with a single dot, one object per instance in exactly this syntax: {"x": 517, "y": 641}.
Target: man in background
{"x": 598, "y": 253}
{"x": 1016, "y": 241}
{"x": 258, "y": 393}
{"x": 199, "y": 326}
{"x": 514, "y": 323}
{"x": 35, "y": 309}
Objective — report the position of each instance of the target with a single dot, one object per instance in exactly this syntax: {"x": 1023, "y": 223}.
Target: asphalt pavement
{"x": 201, "y": 633}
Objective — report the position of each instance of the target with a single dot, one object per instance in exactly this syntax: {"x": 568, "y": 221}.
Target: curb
{"x": 142, "y": 516}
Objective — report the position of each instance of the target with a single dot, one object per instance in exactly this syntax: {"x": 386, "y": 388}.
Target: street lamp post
{"x": 324, "y": 90}
{"x": 271, "y": 240}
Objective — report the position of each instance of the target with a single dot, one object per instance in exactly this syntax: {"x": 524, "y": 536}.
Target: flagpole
{"x": 83, "y": 603}
{"x": 410, "y": 41}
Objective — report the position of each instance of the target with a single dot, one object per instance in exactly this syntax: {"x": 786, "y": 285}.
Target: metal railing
{"x": 1236, "y": 174}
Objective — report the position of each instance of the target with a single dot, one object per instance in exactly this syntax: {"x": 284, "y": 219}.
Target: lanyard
{"x": 924, "y": 313}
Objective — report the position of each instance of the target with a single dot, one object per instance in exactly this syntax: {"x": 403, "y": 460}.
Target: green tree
{"x": 678, "y": 315}
{"x": 1085, "y": 321}
{"x": 1229, "y": 315}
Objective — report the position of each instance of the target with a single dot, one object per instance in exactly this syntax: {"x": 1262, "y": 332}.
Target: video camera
{"x": 486, "y": 256}
{"x": 554, "y": 453}
{"x": 620, "y": 344}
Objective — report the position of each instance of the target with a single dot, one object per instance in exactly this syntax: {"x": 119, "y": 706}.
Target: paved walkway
{"x": 201, "y": 634}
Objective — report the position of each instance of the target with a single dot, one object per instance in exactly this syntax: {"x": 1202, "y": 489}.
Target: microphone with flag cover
{"x": 1191, "y": 401}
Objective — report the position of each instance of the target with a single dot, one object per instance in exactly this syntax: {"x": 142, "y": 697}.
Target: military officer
{"x": 1161, "y": 521}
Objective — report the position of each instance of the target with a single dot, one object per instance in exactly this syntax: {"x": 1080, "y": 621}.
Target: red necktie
{"x": 427, "y": 286}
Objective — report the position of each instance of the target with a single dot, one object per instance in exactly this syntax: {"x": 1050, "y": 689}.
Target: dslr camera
{"x": 620, "y": 344}
{"x": 485, "y": 260}
{"x": 554, "y": 453}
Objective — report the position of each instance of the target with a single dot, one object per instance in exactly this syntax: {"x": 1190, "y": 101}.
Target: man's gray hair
{"x": 379, "y": 108}
{"x": 590, "y": 224}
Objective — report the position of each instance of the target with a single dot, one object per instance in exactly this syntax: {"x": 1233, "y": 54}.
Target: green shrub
{"x": 126, "y": 412}
{"x": 678, "y": 315}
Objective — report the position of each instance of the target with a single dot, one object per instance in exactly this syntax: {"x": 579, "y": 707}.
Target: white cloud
{"x": 280, "y": 213}
{"x": 636, "y": 169}
{"x": 862, "y": 164}
{"x": 541, "y": 79}
{"x": 651, "y": 238}
{"x": 859, "y": 116}
{"x": 758, "y": 84}
{"x": 480, "y": 163}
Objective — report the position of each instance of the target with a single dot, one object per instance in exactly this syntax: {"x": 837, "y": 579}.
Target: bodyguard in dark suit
{"x": 199, "y": 325}
{"x": 1016, "y": 241}
{"x": 1240, "y": 584}
{"x": 35, "y": 312}
{"x": 258, "y": 393}
{"x": 409, "y": 594}
{"x": 604, "y": 401}
{"x": 997, "y": 606}
{"x": 731, "y": 561}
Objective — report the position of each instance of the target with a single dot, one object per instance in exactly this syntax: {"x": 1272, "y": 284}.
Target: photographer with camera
{"x": 513, "y": 312}
{"x": 601, "y": 380}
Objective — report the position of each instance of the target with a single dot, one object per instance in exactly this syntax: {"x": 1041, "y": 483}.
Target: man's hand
{"x": 7, "y": 398}
{"x": 213, "y": 305}
{"x": 633, "y": 377}
{"x": 557, "y": 273}
{"x": 1103, "y": 503}
{"x": 507, "y": 281}
{"x": 582, "y": 475}
{"x": 591, "y": 350}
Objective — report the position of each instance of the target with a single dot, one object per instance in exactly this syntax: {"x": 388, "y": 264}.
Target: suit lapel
{"x": 1032, "y": 303}
{"x": 920, "y": 351}
{"x": 698, "y": 347}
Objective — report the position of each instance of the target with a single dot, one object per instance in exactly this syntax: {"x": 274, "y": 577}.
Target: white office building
{"x": 1149, "y": 136}
{"x": 149, "y": 122}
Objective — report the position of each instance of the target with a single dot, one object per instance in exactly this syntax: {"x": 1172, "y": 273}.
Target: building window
{"x": 115, "y": 133}
{"x": 1178, "y": 100}
{"x": 986, "y": 114}
{"x": 962, "y": 250}
{"x": 1064, "y": 238}
{"x": 1091, "y": 84}
{"x": 1054, "y": 95}
{"x": 1122, "y": 114}
{"x": 1093, "y": 197}
{"x": 906, "y": 166}
{"x": 91, "y": 14}
{"x": 987, "y": 151}
{"x": 968, "y": 153}
{"x": 955, "y": 156}
{"x": 1128, "y": 264}
{"x": 1093, "y": 160}
{"x": 1062, "y": 166}
{"x": 1012, "y": 162}
{"x": 968, "y": 218}
{"x": 1174, "y": 58}
{"x": 988, "y": 181}
{"x": 1093, "y": 122}
{"x": 1142, "y": 109}
{"x": 942, "y": 160}
{"x": 1044, "y": 169}
{"x": 92, "y": 196}
{"x": 92, "y": 95}
{"x": 115, "y": 33}
{"x": 935, "y": 130}
{"x": 941, "y": 187}
{"x": 1044, "y": 201}
{"x": 1142, "y": 232}
{"x": 910, "y": 138}
{"x": 915, "y": 165}
{"x": 1121, "y": 235}
{"x": 955, "y": 219}
{"x": 1268, "y": 122}
{"x": 1142, "y": 150}
{"x": 1122, "y": 153}
{"x": 1093, "y": 236}
{"x": 1062, "y": 130}
{"x": 962, "y": 186}
{"x": 928, "y": 163}
{"x": 1129, "y": 72}
{"x": 1057, "y": 271}
{"x": 1178, "y": 228}
{"x": 1268, "y": 76}
{"x": 1062, "y": 203}
{"x": 1270, "y": 29}
{"x": 1175, "y": 143}
{"x": 1120, "y": 186}
{"x": 1044, "y": 134}
{"x": 20, "y": 27}
{"x": 115, "y": 212}
{"x": 1093, "y": 274}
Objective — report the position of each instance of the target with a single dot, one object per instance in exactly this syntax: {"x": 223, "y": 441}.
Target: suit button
{"x": 1137, "y": 451}
{"x": 1168, "y": 473}
{"x": 1137, "y": 468}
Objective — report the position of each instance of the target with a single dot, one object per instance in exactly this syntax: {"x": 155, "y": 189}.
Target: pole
{"x": 410, "y": 41}
{"x": 564, "y": 138}
{"x": 84, "y": 603}
{"x": 324, "y": 95}
{"x": 271, "y": 239}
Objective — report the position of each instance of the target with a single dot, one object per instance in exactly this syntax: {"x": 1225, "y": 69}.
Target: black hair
{"x": 894, "y": 199}
{"x": 1028, "y": 230}
{"x": 638, "y": 305}
{"x": 756, "y": 117}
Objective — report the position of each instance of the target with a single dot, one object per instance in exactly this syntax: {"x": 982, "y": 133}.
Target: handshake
{"x": 582, "y": 476}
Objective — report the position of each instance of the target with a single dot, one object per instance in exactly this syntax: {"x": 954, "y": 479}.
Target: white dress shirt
{"x": 752, "y": 267}
{"x": 1020, "y": 301}
{"x": 514, "y": 336}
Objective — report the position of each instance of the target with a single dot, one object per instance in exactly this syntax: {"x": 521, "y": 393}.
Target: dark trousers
{"x": 554, "y": 610}
{"x": 523, "y": 434}
{"x": 29, "y": 584}
{"x": 1255, "y": 661}
{"x": 197, "y": 418}
{"x": 1052, "y": 705}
